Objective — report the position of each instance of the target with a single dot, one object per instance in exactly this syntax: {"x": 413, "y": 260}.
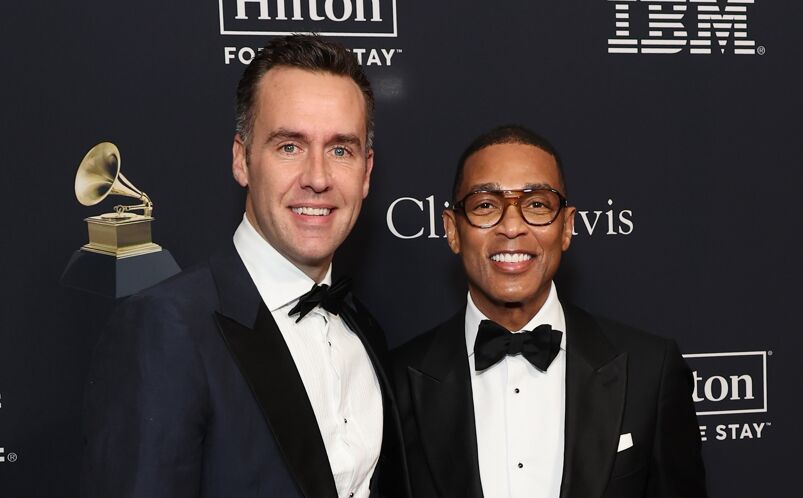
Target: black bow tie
{"x": 328, "y": 298}
{"x": 540, "y": 346}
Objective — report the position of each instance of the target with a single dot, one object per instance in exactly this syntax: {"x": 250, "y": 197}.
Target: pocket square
{"x": 625, "y": 442}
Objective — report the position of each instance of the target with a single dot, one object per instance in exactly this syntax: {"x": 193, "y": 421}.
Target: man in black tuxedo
{"x": 243, "y": 377}
{"x": 522, "y": 394}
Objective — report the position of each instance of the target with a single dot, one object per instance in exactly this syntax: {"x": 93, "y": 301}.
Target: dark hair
{"x": 506, "y": 134}
{"x": 309, "y": 52}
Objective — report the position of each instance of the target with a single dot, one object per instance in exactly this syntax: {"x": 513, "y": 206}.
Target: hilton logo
{"x": 728, "y": 383}
{"x": 364, "y": 18}
{"x": 699, "y": 26}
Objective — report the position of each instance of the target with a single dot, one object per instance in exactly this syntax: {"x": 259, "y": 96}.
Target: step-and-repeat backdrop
{"x": 679, "y": 122}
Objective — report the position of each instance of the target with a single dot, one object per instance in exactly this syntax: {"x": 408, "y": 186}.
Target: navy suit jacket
{"x": 192, "y": 392}
{"x": 618, "y": 380}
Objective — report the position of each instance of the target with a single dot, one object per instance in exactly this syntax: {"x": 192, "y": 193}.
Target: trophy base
{"x": 121, "y": 235}
{"x": 116, "y": 277}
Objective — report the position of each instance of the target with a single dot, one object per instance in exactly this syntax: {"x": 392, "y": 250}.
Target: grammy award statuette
{"x": 120, "y": 257}
{"x": 122, "y": 233}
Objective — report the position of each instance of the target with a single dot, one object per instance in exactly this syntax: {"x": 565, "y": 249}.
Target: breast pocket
{"x": 628, "y": 462}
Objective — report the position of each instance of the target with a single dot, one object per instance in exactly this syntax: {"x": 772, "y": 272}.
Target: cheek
{"x": 271, "y": 182}
{"x": 353, "y": 188}
{"x": 472, "y": 252}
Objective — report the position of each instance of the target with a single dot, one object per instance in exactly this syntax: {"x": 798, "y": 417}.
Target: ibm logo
{"x": 727, "y": 383}
{"x": 699, "y": 26}
{"x": 363, "y": 18}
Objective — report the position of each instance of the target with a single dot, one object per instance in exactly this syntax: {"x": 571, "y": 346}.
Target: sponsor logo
{"x": 673, "y": 26}
{"x": 413, "y": 218}
{"x": 10, "y": 457}
{"x": 413, "y": 225}
{"x": 730, "y": 384}
{"x": 731, "y": 432}
{"x": 365, "y": 56}
{"x": 358, "y": 18}
{"x": 612, "y": 221}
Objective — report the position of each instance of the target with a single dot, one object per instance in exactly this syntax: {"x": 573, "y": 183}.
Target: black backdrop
{"x": 685, "y": 168}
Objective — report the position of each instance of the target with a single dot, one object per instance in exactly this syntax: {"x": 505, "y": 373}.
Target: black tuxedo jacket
{"x": 618, "y": 380}
{"x": 193, "y": 393}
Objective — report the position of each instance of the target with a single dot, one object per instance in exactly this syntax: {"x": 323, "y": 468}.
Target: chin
{"x": 518, "y": 292}
{"x": 314, "y": 259}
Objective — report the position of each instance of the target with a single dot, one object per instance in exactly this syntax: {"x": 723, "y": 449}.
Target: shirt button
{"x": 351, "y": 495}
{"x": 345, "y": 421}
{"x": 516, "y": 390}
{"x": 521, "y": 465}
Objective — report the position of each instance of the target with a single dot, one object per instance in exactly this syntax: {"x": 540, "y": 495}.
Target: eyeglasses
{"x": 486, "y": 208}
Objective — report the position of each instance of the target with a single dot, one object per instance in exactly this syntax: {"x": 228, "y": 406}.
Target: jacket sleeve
{"x": 145, "y": 405}
{"x": 676, "y": 469}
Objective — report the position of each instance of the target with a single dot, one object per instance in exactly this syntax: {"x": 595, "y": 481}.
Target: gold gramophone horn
{"x": 99, "y": 176}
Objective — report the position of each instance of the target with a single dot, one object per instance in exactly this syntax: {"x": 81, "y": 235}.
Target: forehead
{"x": 294, "y": 98}
{"x": 511, "y": 166}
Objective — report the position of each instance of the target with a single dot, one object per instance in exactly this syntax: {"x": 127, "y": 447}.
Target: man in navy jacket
{"x": 253, "y": 375}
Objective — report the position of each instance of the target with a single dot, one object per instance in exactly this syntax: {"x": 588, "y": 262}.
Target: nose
{"x": 512, "y": 223}
{"x": 315, "y": 175}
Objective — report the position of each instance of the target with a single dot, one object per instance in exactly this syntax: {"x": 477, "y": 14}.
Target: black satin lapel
{"x": 444, "y": 410}
{"x": 596, "y": 382}
{"x": 270, "y": 371}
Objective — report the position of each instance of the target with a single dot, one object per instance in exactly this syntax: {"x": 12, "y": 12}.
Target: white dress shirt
{"x": 337, "y": 374}
{"x": 519, "y": 414}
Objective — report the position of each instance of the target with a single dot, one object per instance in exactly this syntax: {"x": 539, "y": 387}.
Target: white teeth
{"x": 511, "y": 258}
{"x": 311, "y": 211}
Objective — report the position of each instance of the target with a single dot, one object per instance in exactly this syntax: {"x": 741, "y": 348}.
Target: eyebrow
{"x": 497, "y": 186}
{"x": 346, "y": 138}
{"x": 285, "y": 134}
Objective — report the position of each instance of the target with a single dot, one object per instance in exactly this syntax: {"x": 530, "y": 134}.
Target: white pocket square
{"x": 625, "y": 442}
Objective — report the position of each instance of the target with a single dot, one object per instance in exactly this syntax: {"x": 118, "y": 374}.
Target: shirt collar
{"x": 278, "y": 281}
{"x": 551, "y": 313}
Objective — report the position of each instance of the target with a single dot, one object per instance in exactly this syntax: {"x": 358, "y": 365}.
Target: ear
{"x": 568, "y": 226}
{"x": 239, "y": 161}
{"x": 450, "y": 226}
{"x": 369, "y": 167}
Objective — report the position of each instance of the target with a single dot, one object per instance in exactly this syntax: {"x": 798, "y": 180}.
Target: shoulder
{"x": 189, "y": 287}
{"x": 650, "y": 355}
{"x": 184, "y": 298}
{"x": 157, "y": 331}
{"x": 622, "y": 336}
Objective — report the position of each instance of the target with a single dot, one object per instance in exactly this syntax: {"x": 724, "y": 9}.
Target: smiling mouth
{"x": 311, "y": 211}
{"x": 511, "y": 257}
